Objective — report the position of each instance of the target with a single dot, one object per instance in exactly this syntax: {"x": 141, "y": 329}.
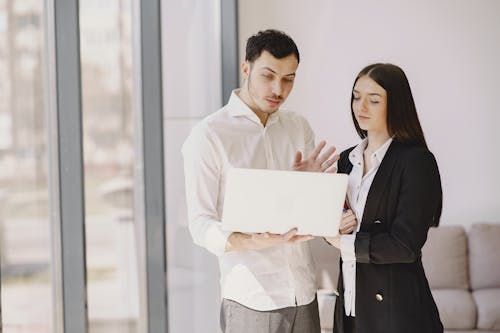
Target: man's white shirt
{"x": 263, "y": 280}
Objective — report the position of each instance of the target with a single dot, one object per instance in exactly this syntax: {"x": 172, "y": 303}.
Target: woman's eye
{"x": 374, "y": 102}
{"x": 355, "y": 98}
{"x": 267, "y": 76}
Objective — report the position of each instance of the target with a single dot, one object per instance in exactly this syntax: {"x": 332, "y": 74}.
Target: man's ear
{"x": 245, "y": 69}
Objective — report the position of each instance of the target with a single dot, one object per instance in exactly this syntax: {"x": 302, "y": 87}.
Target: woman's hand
{"x": 349, "y": 223}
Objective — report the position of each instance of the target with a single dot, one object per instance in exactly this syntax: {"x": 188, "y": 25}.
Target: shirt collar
{"x": 238, "y": 108}
{"x": 380, "y": 153}
{"x": 356, "y": 155}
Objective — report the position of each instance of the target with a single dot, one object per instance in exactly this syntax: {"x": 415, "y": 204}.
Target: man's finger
{"x": 300, "y": 238}
{"x": 287, "y": 236}
{"x": 326, "y": 165}
{"x": 298, "y": 157}
{"x": 326, "y": 155}
{"x": 329, "y": 163}
{"x": 332, "y": 170}
{"x": 335, "y": 158}
{"x": 317, "y": 150}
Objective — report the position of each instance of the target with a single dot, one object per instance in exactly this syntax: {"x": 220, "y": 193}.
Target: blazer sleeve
{"x": 418, "y": 201}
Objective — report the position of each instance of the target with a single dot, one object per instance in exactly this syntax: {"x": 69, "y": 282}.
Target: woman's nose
{"x": 364, "y": 104}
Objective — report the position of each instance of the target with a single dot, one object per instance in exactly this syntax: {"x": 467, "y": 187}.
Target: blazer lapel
{"x": 382, "y": 177}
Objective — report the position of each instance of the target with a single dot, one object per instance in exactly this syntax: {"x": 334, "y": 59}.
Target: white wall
{"x": 450, "y": 51}
{"x": 191, "y": 90}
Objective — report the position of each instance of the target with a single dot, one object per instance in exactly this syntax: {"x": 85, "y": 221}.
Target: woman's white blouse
{"x": 357, "y": 192}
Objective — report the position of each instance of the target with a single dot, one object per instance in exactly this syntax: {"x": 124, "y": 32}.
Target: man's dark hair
{"x": 279, "y": 44}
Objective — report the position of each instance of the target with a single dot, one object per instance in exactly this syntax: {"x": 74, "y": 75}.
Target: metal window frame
{"x": 229, "y": 47}
{"x": 150, "y": 214}
{"x": 65, "y": 143}
{"x": 66, "y": 166}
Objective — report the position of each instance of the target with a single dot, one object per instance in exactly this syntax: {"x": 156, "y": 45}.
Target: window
{"x": 25, "y": 243}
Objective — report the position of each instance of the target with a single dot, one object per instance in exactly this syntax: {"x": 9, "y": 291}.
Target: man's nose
{"x": 277, "y": 88}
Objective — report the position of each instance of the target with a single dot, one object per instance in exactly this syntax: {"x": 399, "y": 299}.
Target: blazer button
{"x": 377, "y": 222}
{"x": 379, "y": 297}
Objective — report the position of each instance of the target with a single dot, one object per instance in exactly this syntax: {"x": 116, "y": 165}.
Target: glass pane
{"x": 25, "y": 248}
{"x": 106, "y": 62}
{"x": 192, "y": 89}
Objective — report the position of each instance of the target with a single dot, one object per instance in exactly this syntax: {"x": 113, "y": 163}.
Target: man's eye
{"x": 374, "y": 102}
{"x": 267, "y": 76}
{"x": 356, "y": 98}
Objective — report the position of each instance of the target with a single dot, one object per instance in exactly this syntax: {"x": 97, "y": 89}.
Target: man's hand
{"x": 335, "y": 241}
{"x": 238, "y": 241}
{"x": 316, "y": 163}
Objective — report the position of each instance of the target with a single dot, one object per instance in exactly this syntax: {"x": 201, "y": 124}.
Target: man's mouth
{"x": 273, "y": 101}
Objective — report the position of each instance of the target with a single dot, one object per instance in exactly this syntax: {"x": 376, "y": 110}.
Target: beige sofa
{"x": 463, "y": 269}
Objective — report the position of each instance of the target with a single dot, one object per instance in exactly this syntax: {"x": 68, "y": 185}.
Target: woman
{"x": 395, "y": 192}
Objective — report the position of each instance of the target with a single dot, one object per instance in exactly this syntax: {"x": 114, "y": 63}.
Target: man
{"x": 267, "y": 280}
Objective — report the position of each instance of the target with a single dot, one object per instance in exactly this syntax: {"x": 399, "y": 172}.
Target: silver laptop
{"x": 277, "y": 201}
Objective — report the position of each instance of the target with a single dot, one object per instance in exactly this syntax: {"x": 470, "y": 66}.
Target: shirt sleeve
{"x": 202, "y": 170}
{"x": 309, "y": 139}
{"x": 347, "y": 251}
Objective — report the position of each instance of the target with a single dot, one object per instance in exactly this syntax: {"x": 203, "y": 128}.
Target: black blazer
{"x": 404, "y": 200}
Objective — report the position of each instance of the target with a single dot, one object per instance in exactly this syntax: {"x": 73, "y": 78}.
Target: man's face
{"x": 269, "y": 81}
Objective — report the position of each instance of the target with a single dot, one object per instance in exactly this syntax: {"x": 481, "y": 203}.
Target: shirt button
{"x": 379, "y": 297}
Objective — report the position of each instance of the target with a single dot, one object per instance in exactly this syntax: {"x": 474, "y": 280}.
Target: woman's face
{"x": 370, "y": 105}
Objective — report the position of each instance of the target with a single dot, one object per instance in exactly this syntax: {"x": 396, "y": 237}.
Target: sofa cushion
{"x": 488, "y": 308}
{"x": 456, "y": 308}
{"x": 444, "y": 257}
{"x": 460, "y": 331}
{"x": 484, "y": 247}
{"x": 326, "y": 305}
{"x": 326, "y": 259}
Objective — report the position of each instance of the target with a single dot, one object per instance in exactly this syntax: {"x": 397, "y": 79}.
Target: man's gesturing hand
{"x": 315, "y": 162}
